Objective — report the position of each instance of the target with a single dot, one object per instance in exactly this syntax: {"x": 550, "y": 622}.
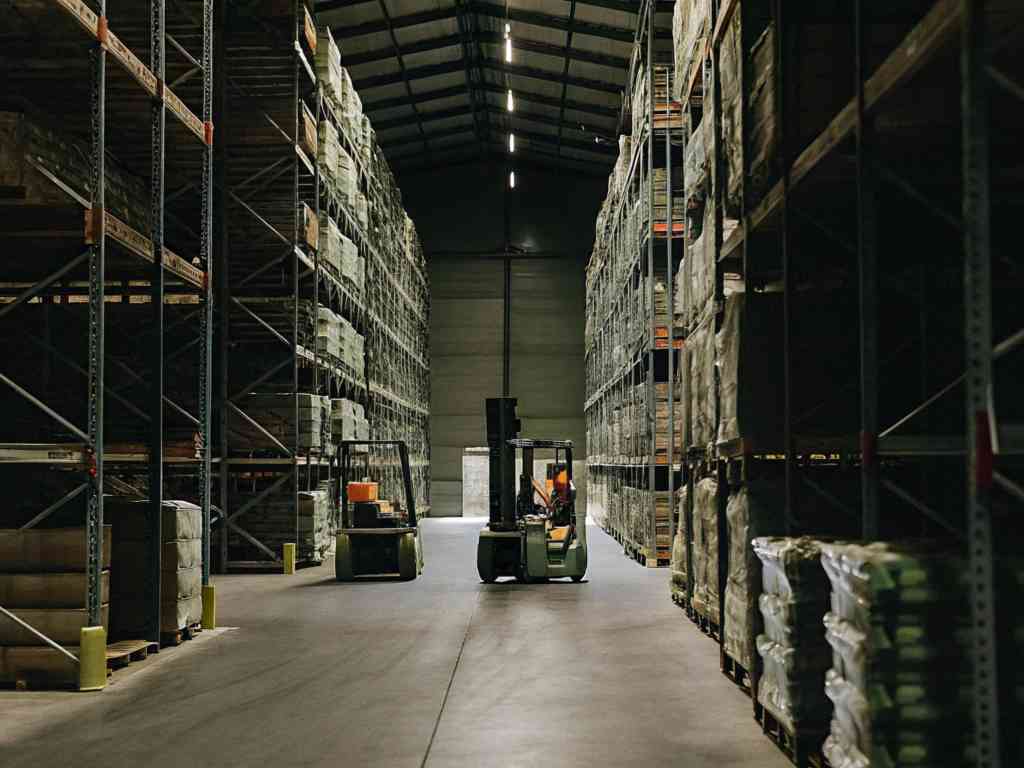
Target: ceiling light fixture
{"x": 512, "y": 180}
{"x": 511, "y": 143}
{"x": 510, "y": 103}
{"x": 508, "y": 50}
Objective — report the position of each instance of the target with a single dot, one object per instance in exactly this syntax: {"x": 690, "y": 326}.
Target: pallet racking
{"x": 631, "y": 342}
{"x": 281, "y": 200}
{"x": 107, "y": 155}
{"x": 834, "y": 135}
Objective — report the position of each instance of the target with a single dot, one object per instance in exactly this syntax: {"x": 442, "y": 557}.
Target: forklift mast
{"x": 502, "y": 426}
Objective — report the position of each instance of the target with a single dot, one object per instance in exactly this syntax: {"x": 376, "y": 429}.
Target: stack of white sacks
{"x": 336, "y": 163}
{"x": 328, "y": 333}
{"x": 348, "y": 420}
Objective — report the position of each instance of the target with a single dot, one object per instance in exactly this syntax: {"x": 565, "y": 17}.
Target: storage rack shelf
{"x": 106, "y": 150}
{"x": 632, "y": 343}
{"x": 286, "y": 200}
{"x": 825, "y": 139}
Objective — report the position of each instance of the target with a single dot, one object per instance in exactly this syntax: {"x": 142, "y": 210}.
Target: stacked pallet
{"x": 690, "y": 21}
{"x": 750, "y": 371}
{"x": 900, "y": 680}
{"x": 703, "y": 401}
{"x": 328, "y": 334}
{"x": 706, "y": 591}
{"x": 679, "y": 578}
{"x": 276, "y": 413}
{"x": 32, "y": 152}
{"x": 753, "y": 510}
{"x": 181, "y": 572}
{"x": 793, "y": 651}
{"x": 42, "y": 582}
{"x": 348, "y": 420}
{"x": 661, "y": 414}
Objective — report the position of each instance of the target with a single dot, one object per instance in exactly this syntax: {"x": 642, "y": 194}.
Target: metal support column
{"x": 97, "y": 271}
{"x": 787, "y": 265}
{"x": 157, "y": 60}
{"x": 974, "y": 57}
{"x": 206, "y": 299}
{"x": 669, "y": 301}
{"x": 297, "y": 235}
{"x": 652, "y": 424}
{"x": 220, "y": 114}
{"x": 867, "y": 260}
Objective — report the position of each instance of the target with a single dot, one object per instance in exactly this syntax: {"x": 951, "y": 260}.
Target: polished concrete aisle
{"x": 444, "y": 671}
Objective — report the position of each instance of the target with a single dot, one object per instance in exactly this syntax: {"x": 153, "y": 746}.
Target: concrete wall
{"x": 459, "y": 217}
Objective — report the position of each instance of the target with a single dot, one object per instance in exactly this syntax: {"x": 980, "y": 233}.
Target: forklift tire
{"x": 577, "y": 579}
{"x": 408, "y": 560}
{"x": 343, "y": 558}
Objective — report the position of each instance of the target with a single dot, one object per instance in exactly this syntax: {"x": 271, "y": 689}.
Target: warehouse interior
{"x": 489, "y": 382}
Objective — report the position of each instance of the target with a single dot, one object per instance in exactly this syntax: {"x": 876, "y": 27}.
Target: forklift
{"x": 535, "y": 532}
{"x": 377, "y": 538}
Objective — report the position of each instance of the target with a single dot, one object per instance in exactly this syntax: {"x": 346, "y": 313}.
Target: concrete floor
{"x": 443, "y": 671}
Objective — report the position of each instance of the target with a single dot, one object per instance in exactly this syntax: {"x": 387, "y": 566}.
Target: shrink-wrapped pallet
{"x": 347, "y": 177}
{"x": 328, "y": 150}
{"x": 700, "y": 254}
{"x": 352, "y": 265}
{"x": 690, "y": 22}
{"x": 330, "y": 250}
{"x": 900, "y": 680}
{"x": 751, "y": 374}
{"x": 753, "y": 510}
{"x": 328, "y": 67}
{"x": 679, "y": 565}
{"x": 276, "y": 414}
{"x": 362, "y": 210}
{"x": 793, "y": 650}
{"x": 696, "y": 160}
{"x": 180, "y": 566}
{"x": 328, "y": 333}
{"x": 762, "y": 134}
{"x": 730, "y": 67}
{"x": 703, "y": 415}
{"x": 705, "y": 550}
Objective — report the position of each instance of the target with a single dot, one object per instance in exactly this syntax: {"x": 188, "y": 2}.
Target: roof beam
{"x": 537, "y": 73}
{"x": 625, "y": 6}
{"x": 456, "y": 65}
{"x": 398, "y": 22}
{"x": 402, "y": 69}
{"x": 558, "y": 51}
{"x": 445, "y": 114}
{"x": 518, "y": 42}
{"x": 421, "y": 46}
{"x": 449, "y": 157}
{"x": 416, "y": 98}
{"x": 415, "y": 73}
{"x": 605, "y": 150}
{"x": 565, "y": 70}
{"x": 459, "y": 90}
{"x": 552, "y": 22}
{"x": 551, "y": 101}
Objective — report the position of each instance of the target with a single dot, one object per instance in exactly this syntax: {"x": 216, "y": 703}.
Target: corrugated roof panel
{"x": 606, "y": 16}
{"x": 391, "y": 90}
{"x": 449, "y": 102}
{"x": 612, "y": 75}
{"x": 438, "y": 56}
{"x": 363, "y": 43}
{"x": 438, "y": 82}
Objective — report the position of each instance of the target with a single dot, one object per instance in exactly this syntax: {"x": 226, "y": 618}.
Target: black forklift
{"x": 376, "y": 538}
{"x": 534, "y": 532}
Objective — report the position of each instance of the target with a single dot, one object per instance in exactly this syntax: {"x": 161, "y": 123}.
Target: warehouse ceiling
{"x": 433, "y": 78}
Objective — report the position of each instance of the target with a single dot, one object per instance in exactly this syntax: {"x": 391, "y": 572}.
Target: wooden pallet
{"x": 738, "y": 674}
{"x": 802, "y": 747}
{"x": 705, "y": 624}
{"x": 124, "y": 652}
{"x": 180, "y": 636}
{"x": 40, "y": 668}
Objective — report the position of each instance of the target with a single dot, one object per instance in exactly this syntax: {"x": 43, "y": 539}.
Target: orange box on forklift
{"x": 362, "y": 492}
